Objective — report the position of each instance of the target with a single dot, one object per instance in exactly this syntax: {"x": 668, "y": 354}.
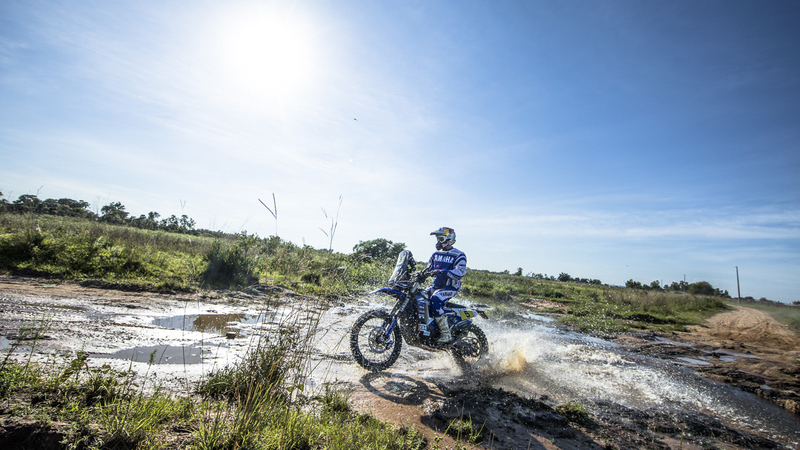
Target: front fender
{"x": 388, "y": 291}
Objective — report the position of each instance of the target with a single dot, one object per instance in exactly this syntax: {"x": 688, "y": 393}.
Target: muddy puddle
{"x": 530, "y": 357}
{"x": 534, "y": 359}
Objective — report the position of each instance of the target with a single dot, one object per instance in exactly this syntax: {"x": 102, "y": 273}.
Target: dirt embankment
{"x": 751, "y": 327}
{"x": 770, "y": 365}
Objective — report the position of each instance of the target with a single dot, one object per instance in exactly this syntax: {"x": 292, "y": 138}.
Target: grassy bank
{"x": 79, "y": 249}
{"x": 594, "y": 308}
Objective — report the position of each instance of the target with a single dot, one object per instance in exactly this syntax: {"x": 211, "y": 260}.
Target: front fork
{"x": 398, "y": 307}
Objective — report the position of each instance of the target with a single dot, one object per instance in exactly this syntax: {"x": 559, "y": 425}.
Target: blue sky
{"x": 611, "y": 140}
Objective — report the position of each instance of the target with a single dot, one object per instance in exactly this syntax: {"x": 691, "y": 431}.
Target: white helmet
{"x": 445, "y": 238}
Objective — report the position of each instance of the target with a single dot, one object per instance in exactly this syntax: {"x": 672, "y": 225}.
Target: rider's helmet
{"x": 445, "y": 238}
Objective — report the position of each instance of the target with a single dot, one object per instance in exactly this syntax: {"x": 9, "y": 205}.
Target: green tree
{"x": 151, "y": 221}
{"x": 677, "y": 286}
{"x": 701, "y": 288}
{"x": 563, "y": 276}
{"x": 75, "y": 208}
{"x": 518, "y": 272}
{"x": 113, "y": 213}
{"x": 186, "y": 223}
{"x": 633, "y": 284}
{"x": 378, "y": 249}
{"x": 27, "y": 203}
{"x": 64, "y": 207}
{"x": 171, "y": 223}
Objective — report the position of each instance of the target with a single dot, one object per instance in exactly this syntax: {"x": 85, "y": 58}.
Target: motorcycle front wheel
{"x": 471, "y": 348}
{"x": 370, "y": 347}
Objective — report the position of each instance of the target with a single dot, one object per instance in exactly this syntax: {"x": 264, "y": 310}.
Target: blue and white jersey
{"x": 453, "y": 264}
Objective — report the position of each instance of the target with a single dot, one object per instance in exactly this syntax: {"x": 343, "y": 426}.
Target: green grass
{"x": 258, "y": 403}
{"x": 119, "y": 256}
{"x": 79, "y": 249}
{"x": 68, "y": 248}
{"x": 465, "y": 430}
{"x": 121, "y": 415}
{"x": 594, "y": 308}
{"x": 573, "y": 411}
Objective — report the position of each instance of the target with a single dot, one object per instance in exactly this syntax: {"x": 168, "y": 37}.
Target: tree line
{"x": 112, "y": 213}
{"x": 699, "y": 288}
{"x": 563, "y": 276}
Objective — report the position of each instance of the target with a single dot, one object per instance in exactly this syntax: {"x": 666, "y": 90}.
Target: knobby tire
{"x": 475, "y": 336}
{"x": 355, "y": 346}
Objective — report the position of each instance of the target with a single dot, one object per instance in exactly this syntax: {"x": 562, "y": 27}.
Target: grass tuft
{"x": 573, "y": 411}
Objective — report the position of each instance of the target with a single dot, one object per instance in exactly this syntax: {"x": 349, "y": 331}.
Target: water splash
{"x": 539, "y": 360}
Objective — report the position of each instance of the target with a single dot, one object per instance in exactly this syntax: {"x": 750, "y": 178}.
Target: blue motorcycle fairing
{"x": 396, "y": 294}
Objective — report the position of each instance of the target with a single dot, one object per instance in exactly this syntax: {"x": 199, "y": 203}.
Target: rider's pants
{"x": 439, "y": 298}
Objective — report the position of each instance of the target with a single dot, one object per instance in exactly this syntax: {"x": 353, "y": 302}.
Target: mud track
{"x": 423, "y": 390}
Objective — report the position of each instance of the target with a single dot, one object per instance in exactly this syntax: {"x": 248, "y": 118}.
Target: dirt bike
{"x": 376, "y": 336}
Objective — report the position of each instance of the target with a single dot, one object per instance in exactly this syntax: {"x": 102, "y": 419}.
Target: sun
{"x": 268, "y": 54}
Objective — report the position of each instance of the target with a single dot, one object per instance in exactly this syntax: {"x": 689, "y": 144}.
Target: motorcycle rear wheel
{"x": 367, "y": 343}
{"x": 471, "y": 348}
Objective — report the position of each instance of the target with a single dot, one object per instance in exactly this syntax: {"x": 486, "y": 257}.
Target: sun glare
{"x": 268, "y": 55}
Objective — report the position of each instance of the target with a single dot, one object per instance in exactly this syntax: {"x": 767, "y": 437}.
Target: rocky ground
{"x": 743, "y": 348}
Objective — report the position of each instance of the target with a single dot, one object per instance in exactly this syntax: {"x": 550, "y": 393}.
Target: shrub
{"x": 232, "y": 265}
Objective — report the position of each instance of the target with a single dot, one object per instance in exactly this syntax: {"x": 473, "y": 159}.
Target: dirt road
{"x": 753, "y": 352}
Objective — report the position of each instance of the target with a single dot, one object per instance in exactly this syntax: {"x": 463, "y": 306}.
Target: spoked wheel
{"x": 471, "y": 348}
{"x": 369, "y": 345}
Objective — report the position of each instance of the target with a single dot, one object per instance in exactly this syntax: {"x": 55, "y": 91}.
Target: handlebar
{"x": 421, "y": 276}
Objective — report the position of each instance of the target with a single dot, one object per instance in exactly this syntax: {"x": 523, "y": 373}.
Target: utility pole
{"x": 738, "y": 291}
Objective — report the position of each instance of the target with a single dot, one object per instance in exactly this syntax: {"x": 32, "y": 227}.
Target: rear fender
{"x": 465, "y": 313}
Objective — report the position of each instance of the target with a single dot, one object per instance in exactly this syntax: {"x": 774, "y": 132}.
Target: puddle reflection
{"x": 205, "y": 323}
{"x": 159, "y": 354}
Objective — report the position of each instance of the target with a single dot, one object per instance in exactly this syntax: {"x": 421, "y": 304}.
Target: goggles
{"x": 440, "y": 238}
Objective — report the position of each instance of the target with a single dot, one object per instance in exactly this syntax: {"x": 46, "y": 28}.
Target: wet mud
{"x": 709, "y": 388}
{"x": 511, "y": 420}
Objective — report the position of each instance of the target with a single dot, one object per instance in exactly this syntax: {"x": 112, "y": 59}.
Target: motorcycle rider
{"x": 447, "y": 265}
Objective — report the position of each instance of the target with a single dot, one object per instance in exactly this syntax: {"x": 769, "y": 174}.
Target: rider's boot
{"x": 444, "y": 330}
